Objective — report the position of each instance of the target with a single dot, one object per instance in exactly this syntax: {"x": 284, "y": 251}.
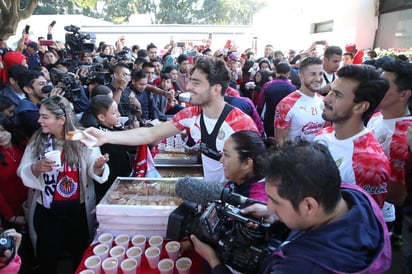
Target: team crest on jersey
{"x": 66, "y": 187}
{"x": 322, "y": 106}
{"x": 221, "y": 135}
{"x": 382, "y": 139}
{"x": 339, "y": 162}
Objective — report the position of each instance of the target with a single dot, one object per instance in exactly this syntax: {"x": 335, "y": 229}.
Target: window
{"x": 389, "y": 6}
{"x": 323, "y": 27}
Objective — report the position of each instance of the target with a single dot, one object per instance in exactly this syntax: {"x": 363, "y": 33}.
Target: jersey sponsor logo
{"x": 339, "y": 162}
{"x": 379, "y": 189}
{"x": 312, "y": 128}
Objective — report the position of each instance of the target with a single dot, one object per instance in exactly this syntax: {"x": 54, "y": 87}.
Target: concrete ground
{"x": 400, "y": 263}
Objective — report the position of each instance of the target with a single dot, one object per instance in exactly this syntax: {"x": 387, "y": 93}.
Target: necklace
{"x": 11, "y": 154}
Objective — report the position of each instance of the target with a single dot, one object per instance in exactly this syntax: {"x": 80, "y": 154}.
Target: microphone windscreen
{"x": 198, "y": 191}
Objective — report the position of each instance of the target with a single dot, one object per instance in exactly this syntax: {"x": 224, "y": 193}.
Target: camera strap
{"x": 208, "y": 142}
{"x": 326, "y": 78}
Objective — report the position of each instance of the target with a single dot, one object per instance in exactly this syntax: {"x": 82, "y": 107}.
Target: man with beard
{"x": 359, "y": 156}
{"x": 299, "y": 115}
{"x": 210, "y": 120}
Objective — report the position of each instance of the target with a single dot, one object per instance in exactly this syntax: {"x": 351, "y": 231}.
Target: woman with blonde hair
{"x": 61, "y": 207}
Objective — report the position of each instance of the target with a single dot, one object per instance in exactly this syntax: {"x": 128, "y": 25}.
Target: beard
{"x": 329, "y": 115}
{"x": 310, "y": 86}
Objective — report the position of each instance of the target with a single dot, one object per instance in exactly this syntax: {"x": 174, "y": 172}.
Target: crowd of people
{"x": 321, "y": 137}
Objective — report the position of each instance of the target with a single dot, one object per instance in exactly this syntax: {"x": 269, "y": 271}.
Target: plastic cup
{"x": 157, "y": 241}
{"x": 110, "y": 265}
{"x": 165, "y": 266}
{"x": 135, "y": 252}
{"x": 106, "y": 238}
{"x": 173, "y": 250}
{"x": 123, "y": 240}
{"x": 54, "y": 155}
{"x": 87, "y": 271}
{"x": 129, "y": 266}
{"x": 101, "y": 250}
{"x": 123, "y": 120}
{"x": 161, "y": 147}
{"x": 94, "y": 263}
{"x": 183, "y": 265}
{"x": 152, "y": 255}
{"x": 118, "y": 252}
{"x": 140, "y": 241}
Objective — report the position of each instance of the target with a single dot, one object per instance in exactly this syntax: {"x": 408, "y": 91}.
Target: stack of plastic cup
{"x": 178, "y": 142}
{"x": 170, "y": 144}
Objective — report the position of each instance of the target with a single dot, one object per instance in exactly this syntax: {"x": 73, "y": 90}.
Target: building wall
{"x": 395, "y": 30}
{"x": 291, "y": 24}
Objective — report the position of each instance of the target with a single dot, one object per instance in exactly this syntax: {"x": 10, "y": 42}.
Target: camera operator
{"x": 10, "y": 261}
{"x": 327, "y": 218}
{"x": 71, "y": 88}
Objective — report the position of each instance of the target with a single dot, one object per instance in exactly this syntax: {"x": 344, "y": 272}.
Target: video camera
{"x": 95, "y": 73}
{"x": 123, "y": 56}
{"x": 67, "y": 82}
{"x": 223, "y": 227}
{"x": 76, "y": 41}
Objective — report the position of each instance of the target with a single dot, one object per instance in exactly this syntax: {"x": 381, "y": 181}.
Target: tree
{"x": 214, "y": 12}
{"x": 11, "y": 12}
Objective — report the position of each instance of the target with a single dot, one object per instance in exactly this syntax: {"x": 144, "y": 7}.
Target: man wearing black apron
{"x": 209, "y": 121}
{"x": 331, "y": 63}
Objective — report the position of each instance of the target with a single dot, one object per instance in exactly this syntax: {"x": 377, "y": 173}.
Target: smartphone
{"x": 180, "y": 44}
{"x": 46, "y": 42}
{"x": 53, "y": 23}
{"x": 27, "y": 29}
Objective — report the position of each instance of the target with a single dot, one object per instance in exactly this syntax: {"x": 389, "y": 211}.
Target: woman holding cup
{"x": 60, "y": 209}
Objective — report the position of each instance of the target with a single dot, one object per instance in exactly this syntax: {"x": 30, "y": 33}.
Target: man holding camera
{"x": 327, "y": 219}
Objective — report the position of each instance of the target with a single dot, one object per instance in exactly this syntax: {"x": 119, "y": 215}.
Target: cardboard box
{"x": 137, "y": 205}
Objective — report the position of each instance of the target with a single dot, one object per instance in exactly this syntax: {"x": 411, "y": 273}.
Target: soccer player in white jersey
{"x": 359, "y": 156}
{"x": 300, "y": 113}
{"x": 390, "y": 126}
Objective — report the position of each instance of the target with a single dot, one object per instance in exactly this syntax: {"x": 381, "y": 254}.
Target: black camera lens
{"x": 46, "y": 89}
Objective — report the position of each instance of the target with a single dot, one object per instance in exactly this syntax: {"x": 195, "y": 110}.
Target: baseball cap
{"x": 33, "y": 45}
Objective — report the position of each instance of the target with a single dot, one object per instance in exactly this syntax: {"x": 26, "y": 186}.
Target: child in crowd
{"x": 172, "y": 106}
{"x": 261, "y": 77}
{"x": 104, "y": 108}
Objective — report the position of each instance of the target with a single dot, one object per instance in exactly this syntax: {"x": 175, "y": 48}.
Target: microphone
{"x": 198, "y": 191}
{"x": 233, "y": 198}
{"x": 201, "y": 192}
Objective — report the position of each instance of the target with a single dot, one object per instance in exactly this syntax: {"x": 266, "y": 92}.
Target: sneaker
{"x": 397, "y": 241}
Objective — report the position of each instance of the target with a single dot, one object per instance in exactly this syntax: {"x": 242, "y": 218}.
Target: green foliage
{"x": 176, "y": 12}
{"x": 215, "y": 12}
{"x": 393, "y": 52}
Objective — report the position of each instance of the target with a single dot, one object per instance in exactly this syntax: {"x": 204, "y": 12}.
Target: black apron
{"x": 208, "y": 141}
